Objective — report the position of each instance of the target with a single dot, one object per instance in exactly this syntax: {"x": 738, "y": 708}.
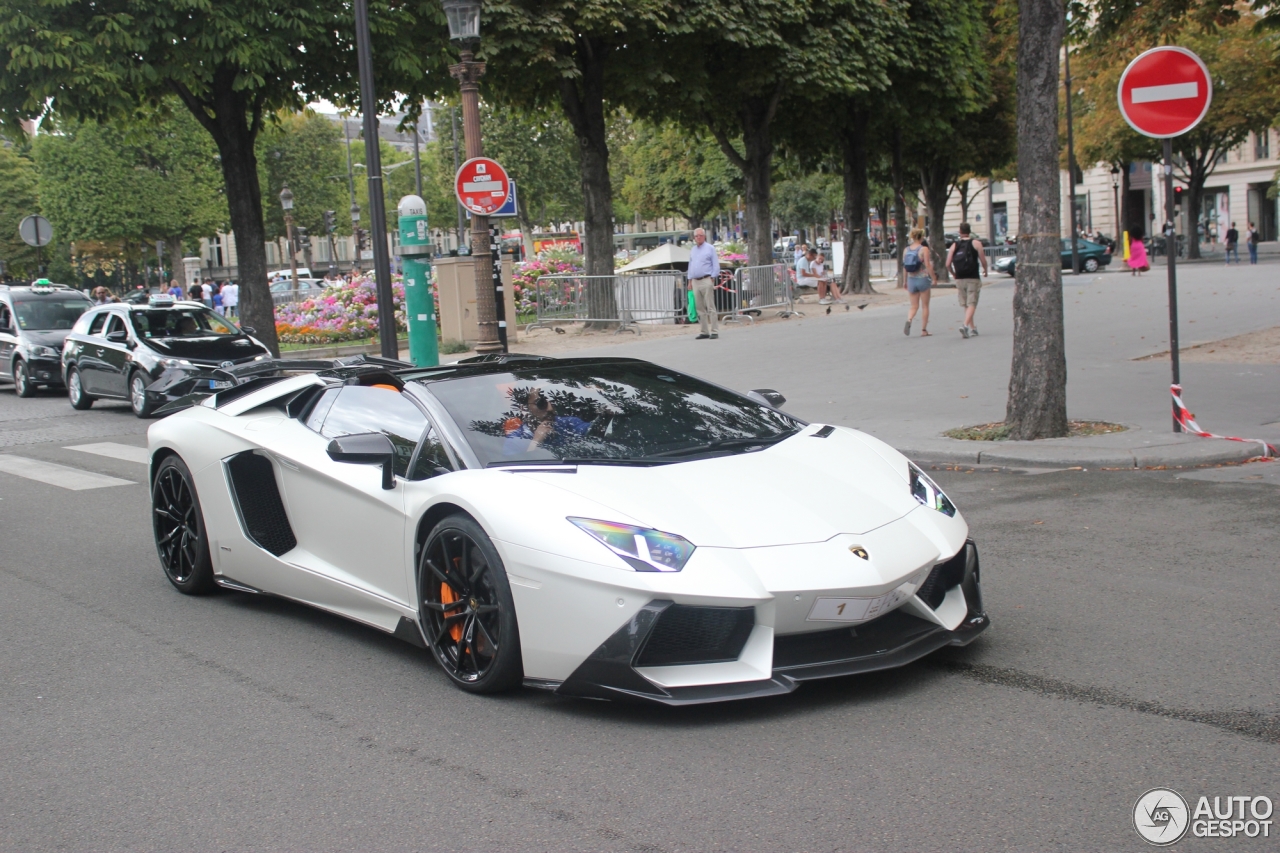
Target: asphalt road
{"x": 1132, "y": 647}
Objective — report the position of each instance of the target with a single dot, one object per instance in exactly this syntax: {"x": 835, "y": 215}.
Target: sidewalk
{"x": 857, "y": 368}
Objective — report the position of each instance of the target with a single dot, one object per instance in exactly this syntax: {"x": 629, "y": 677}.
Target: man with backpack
{"x": 963, "y": 260}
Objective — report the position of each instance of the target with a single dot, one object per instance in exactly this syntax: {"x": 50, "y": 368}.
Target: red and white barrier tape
{"x": 1188, "y": 422}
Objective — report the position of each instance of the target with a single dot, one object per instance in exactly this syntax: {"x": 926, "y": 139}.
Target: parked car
{"x": 1093, "y": 256}
{"x": 115, "y": 351}
{"x": 34, "y": 321}
{"x": 284, "y": 290}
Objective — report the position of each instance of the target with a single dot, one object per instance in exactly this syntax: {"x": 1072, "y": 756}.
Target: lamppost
{"x": 464, "y": 28}
{"x": 1115, "y": 193}
{"x": 355, "y": 233}
{"x": 286, "y": 201}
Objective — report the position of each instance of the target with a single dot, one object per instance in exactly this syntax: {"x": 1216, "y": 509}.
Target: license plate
{"x": 858, "y": 609}
{"x": 220, "y": 383}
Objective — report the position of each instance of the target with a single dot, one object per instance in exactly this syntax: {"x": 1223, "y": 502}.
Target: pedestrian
{"x": 230, "y": 298}
{"x": 175, "y": 289}
{"x": 704, "y": 270}
{"x": 217, "y": 298}
{"x": 828, "y": 290}
{"x": 1137, "y": 261}
{"x": 962, "y": 259}
{"x": 206, "y": 293}
{"x": 196, "y": 293}
{"x": 801, "y": 251}
{"x": 1252, "y": 240}
{"x": 919, "y": 275}
{"x": 1232, "y": 243}
{"x": 102, "y": 296}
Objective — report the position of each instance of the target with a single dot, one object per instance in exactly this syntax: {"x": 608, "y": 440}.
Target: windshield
{"x": 618, "y": 411}
{"x": 180, "y": 323}
{"x": 49, "y": 313}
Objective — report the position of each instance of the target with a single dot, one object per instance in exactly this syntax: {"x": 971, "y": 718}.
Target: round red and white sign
{"x": 1165, "y": 92}
{"x": 482, "y": 185}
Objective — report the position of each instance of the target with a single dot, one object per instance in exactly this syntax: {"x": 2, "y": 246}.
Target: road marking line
{"x": 57, "y": 475}
{"x": 112, "y": 450}
{"x": 1169, "y": 92}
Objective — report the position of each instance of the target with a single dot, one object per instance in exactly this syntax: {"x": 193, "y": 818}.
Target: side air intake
{"x": 262, "y": 515}
{"x": 686, "y": 634}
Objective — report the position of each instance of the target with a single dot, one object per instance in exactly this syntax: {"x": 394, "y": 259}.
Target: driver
{"x": 542, "y": 426}
{"x": 187, "y": 325}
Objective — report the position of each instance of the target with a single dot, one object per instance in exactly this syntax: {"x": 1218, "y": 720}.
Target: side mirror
{"x": 119, "y": 336}
{"x": 249, "y": 330}
{"x": 367, "y": 448}
{"x": 768, "y": 396}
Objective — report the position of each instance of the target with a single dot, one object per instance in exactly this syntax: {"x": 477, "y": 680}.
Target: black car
{"x": 34, "y": 321}
{"x": 116, "y": 351}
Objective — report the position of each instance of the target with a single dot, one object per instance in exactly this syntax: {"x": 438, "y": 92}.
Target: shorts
{"x": 918, "y": 284}
{"x": 967, "y": 290}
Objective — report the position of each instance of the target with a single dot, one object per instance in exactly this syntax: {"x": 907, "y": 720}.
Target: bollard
{"x": 419, "y": 307}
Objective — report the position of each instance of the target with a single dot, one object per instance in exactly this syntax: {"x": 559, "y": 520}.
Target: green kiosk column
{"x": 419, "y": 307}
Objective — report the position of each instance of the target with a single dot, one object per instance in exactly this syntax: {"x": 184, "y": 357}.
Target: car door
{"x": 114, "y": 359}
{"x": 88, "y": 349}
{"x": 8, "y": 340}
{"x": 350, "y": 528}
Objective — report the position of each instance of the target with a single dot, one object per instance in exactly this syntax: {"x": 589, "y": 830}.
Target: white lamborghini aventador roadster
{"x": 597, "y": 527}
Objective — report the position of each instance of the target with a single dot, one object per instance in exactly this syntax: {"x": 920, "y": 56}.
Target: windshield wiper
{"x": 726, "y": 444}
{"x": 574, "y": 460}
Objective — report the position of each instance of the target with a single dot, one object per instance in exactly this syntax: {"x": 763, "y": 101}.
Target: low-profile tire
{"x": 138, "y": 401}
{"x": 22, "y": 385}
{"x": 467, "y": 611}
{"x": 178, "y": 525}
{"x": 75, "y": 391}
{"x": 1090, "y": 264}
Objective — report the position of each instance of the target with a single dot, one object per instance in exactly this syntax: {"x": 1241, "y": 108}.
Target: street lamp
{"x": 464, "y": 28}
{"x": 1115, "y": 192}
{"x": 286, "y": 201}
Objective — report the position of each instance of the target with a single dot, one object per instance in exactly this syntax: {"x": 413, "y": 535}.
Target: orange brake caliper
{"x": 447, "y": 596}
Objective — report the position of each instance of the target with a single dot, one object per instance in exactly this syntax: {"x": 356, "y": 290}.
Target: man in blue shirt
{"x": 704, "y": 269}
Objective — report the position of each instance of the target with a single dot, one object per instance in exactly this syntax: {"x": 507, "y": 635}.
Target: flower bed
{"x": 343, "y": 312}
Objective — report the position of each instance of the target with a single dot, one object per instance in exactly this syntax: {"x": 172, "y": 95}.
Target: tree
{"x": 807, "y": 201}
{"x": 150, "y": 176}
{"x": 232, "y": 63}
{"x": 1037, "y": 406}
{"x": 303, "y": 151}
{"x": 677, "y": 172}
{"x": 18, "y": 200}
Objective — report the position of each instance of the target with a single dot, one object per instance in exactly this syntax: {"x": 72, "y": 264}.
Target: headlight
{"x": 928, "y": 493}
{"x": 44, "y": 352}
{"x": 174, "y": 362}
{"x": 643, "y": 549}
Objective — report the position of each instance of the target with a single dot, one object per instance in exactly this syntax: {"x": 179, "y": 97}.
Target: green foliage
{"x": 807, "y": 200}
{"x": 303, "y": 151}
{"x": 18, "y": 200}
{"x": 675, "y": 172}
{"x": 538, "y": 150}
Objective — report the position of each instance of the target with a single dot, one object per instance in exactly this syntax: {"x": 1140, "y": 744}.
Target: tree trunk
{"x": 857, "y": 204}
{"x": 1037, "y": 406}
{"x": 583, "y": 102}
{"x": 963, "y": 187}
{"x": 756, "y": 164}
{"x": 174, "y": 245}
{"x": 935, "y": 180}
{"x": 526, "y": 228}
{"x": 899, "y": 203}
{"x": 1198, "y": 172}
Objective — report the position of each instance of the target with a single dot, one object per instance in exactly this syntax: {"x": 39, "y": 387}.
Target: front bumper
{"x": 616, "y": 670}
{"x": 44, "y": 370}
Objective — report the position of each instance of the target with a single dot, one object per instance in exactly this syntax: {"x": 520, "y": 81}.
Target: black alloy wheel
{"x": 467, "y": 610}
{"x": 22, "y": 379}
{"x": 179, "y": 529}
{"x": 75, "y": 391}
{"x": 138, "y": 394}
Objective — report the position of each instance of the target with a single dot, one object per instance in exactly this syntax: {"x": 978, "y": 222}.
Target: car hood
{"x": 51, "y": 338}
{"x": 804, "y": 489}
{"x": 220, "y": 348}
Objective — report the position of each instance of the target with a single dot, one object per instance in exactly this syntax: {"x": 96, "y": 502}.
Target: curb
{"x": 1211, "y": 452}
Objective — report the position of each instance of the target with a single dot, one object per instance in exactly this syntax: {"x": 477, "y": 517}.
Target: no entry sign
{"x": 482, "y": 185}
{"x": 1165, "y": 92}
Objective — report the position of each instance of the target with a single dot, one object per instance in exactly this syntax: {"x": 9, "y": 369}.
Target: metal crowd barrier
{"x": 631, "y": 300}
{"x": 758, "y": 288}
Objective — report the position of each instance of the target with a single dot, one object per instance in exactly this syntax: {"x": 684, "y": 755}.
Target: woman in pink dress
{"x": 1137, "y": 262}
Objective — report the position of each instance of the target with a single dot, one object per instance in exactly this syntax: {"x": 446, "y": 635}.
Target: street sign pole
{"x": 1171, "y": 252}
{"x": 499, "y": 295}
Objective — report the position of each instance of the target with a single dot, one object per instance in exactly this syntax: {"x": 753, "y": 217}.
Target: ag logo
{"x": 859, "y": 551}
{"x": 1161, "y": 816}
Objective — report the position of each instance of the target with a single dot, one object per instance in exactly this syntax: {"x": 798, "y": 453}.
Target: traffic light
{"x": 1178, "y": 193}
{"x": 302, "y": 238}
{"x": 330, "y": 221}
{"x": 362, "y": 238}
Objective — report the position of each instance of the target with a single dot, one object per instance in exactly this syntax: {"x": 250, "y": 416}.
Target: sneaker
{"x": 964, "y": 332}
{"x": 826, "y": 300}
{"x": 906, "y": 330}
{"x": 701, "y": 337}
{"x": 714, "y": 336}
{"x": 973, "y": 333}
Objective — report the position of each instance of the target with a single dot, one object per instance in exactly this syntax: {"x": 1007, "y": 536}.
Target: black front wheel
{"x": 181, "y": 540}
{"x": 22, "y": 385}
{"x": 467, "y": 611}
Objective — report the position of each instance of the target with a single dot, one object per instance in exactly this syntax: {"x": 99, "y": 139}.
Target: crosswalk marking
{"x": 112, "y": 450}
{"x": 57, "y": 475}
